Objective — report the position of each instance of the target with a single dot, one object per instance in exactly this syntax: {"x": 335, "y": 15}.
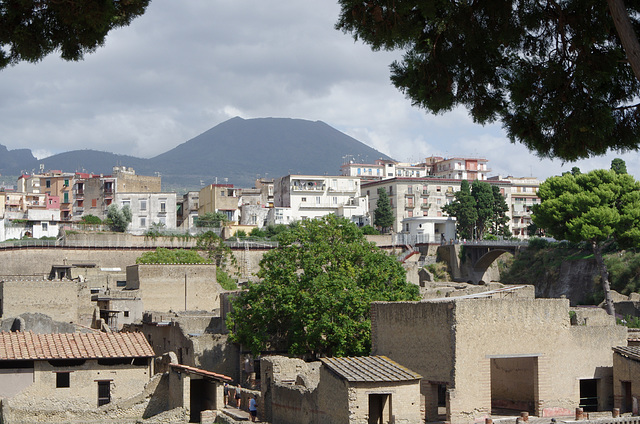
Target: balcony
{"x": 425, "y": 205}
{"x": 409, "y": 205}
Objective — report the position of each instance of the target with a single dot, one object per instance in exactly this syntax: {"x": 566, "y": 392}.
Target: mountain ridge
{"x": 238, "y": 149}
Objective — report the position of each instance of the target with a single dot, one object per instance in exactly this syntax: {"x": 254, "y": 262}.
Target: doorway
{"x": 379, "y": 408}
{"x": 514, "y": 382}
{"x": 589, "y": 394}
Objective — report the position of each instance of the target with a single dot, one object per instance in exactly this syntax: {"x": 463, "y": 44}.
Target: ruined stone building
{"x": 56, "y": 377}
{"x": 359, "y": 390}
{"x": 478, "y": 354}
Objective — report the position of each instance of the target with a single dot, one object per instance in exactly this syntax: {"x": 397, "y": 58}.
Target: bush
{"x": 225, "y": 280}
{"x": 368, "y": 230}
{"x": 91, "y": 220}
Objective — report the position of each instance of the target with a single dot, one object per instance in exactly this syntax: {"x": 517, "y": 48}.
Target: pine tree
{"x": 383, "y": 215}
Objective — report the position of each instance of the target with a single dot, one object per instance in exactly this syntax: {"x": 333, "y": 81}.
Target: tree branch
{"x": 627, "y": 35}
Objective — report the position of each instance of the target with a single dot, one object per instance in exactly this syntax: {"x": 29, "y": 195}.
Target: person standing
{"x": 226, "y": 394}
{"x": 238, "y": 396}
{"x": 253, "y": 408}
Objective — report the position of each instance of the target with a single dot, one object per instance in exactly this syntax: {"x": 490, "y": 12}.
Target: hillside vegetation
{"x": 565, "y": 268}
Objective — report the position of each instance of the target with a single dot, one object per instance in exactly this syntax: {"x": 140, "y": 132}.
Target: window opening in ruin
{"x": 63, "y": 379}
{"x": 379, "y": 408}
{"x": 104, "y": 392}
{"x": 589, "y": 394}
{"x": 513, "y": 384}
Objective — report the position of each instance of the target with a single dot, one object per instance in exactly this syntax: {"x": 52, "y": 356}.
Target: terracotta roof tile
{"x": 30, "y": 346}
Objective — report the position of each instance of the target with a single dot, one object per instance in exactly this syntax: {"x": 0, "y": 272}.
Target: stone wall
{"x": 175, "y": 287}
{"x": 456, "y": 343}
{"x": 57, "y": 299}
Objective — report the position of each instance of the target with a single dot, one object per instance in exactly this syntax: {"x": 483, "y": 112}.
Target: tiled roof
{"x": 369, "y": 368}
{"x": 30, "y": 346}
{"x": 631, "y": 352}
{"x": 198, "y": 371}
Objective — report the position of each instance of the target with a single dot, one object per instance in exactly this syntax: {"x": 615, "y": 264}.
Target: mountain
{"x": 235, "y": 151}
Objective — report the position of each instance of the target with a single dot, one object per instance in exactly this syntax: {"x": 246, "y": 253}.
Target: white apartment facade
{"x": 298, "y": 197}
{"x": 148, "y": 209}
{"x": 421, "y": 197}
{"x": 524, "y": 195}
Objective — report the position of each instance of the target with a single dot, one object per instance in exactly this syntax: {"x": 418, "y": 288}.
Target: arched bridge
{"x": 484, "y": 252}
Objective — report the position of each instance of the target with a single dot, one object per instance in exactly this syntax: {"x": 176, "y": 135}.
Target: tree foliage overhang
{"x": 554, "y": 72}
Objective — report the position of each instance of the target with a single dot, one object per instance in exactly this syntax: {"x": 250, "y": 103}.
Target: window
{"x": 162, "y": 220}
{"x": 63, "y": 379}
{"x": 304, "y": 199}
{"x": 143, "y": 221}
{"x": 45, "y": 227}
{"x": 126, "y": 203}
{"x": 318, "y": 198}
{"x": 80, "y": 203}
{"x": 104, "y": 392}
{"x": 143, "y": 204}
{"x": 126, "y": 314}
{"x": 94, "y": 203}
{"x": 66, "y": 183}
{"x": 66, "y": 197}
{"x": 334, "y": 200}
{"x": 48, "y": 183}
{"x": 163, "y": 206}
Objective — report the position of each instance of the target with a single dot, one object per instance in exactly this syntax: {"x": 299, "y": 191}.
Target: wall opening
{"x": 513, "y": 384}
{"x": 627, "y": 399}
{"x": 589, "y": 394}
{"x": 379, "y": 409}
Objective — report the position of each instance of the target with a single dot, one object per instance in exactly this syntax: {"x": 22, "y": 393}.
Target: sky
{"x": 187, "y": 66}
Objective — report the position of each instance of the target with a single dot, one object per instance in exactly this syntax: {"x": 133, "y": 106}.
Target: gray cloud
{"x": 185, "y": 67}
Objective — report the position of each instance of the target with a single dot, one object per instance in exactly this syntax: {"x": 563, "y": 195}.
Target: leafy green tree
{"x": 499, "y": 219}
{"x": 563, "y": 77}
{"x": 171, "y": 256}
{"x": 619, "y": 166}
{"x": 599, "y": 207}
{"x": 211, "y": 219}
{"x": 383, "y": 215}
{"x": 32, "y": 29}
{"x": 316, "y": 289}
{"x": 483, "y": 195}
{"x": 118, "y": 218}
{"x": 216, "y": 249}
{"x": 463, "y": 208}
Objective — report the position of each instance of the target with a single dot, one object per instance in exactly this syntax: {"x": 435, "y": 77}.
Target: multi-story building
{"x": 187, "y": 210}
{"x": 458, "y": 168}
{"x": 420, "y": 197}
{"x": 524, "y": 195}
{"x": 220, "y": 198}
{"x": 93, "y": 194}
{"x": 128, "y": 182}
{"x": 148, "y": 209}
{"x": 312, "y": 196}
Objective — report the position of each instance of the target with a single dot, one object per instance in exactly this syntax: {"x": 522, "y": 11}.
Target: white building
{"x": 429, "y": 229}
{"x": 313, "y": 196}
{"x": 148, "y": 209}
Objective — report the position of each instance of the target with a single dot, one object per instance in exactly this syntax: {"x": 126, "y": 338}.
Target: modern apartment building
{"x": 524, "y": 195}
{"x": 416, "y": 197}
{"x": 312, "y": 196}
{"x": 148, "y": 209}
{"x": 223, "y": 198}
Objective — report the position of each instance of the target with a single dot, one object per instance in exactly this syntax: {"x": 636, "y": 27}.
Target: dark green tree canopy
{"x": 598, "y": 207}
{"x": 383, "y": 215}
{"x": 316, "y": 289}
{"x": 479, "y": 209}
{"x": 554, "y": 72}
{"x": 619, "y": 166}
{"x": 32, "y": 29}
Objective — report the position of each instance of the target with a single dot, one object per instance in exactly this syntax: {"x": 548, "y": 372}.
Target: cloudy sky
{"x": 186, "y": 66}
